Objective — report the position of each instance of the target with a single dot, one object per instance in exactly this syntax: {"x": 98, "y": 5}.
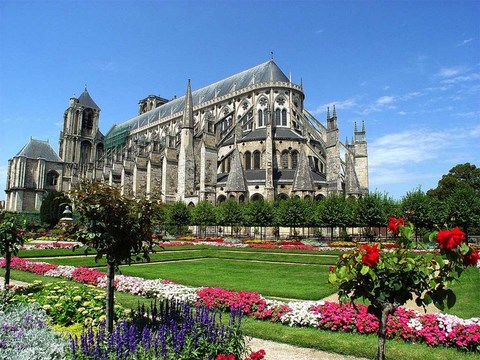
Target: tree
{"x": 415, "y": 206}
{"x": 461, "y": 175}
{"x": 332, "y": 212}
{"x": 204, "y": 215}
{"x": 291, "y": 212}
{"x": 230, "y": 213}
{"x": 463, "y": 207}
{"x": 388, "y": 279}
{"x": 11, "y": 240}
{"x": 52, "y": 207}
{"x": 259, "y": 213}
{"x": 370, "y": 211}
{"x": 116, "y": 226}
{"x": 178, "y": 217}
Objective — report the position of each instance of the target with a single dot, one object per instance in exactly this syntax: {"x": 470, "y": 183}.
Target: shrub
{"x": 25, "y": 334}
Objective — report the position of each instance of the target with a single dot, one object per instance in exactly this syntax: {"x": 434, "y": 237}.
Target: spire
{"x": 328, "y": 112}
{"x": 334, "y": 112}
{"x": 303, "y": 178}
{"x": 188, "y": 109}
{"x": 346, "y": 141}
{"x": 355, "y": 127}
{"x": 236, "y": 179}
{"x": 301, "y": 83}
{"x": 363, "y": 126}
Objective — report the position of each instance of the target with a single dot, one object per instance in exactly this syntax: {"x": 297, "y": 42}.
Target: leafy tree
{"x": 291, "y": 212}
{"x": 11, "y": 240}
{"x": 178, "y": 217}
{"x": 259, "y": 213}
{"x": 370, "y": 211}
{"x": 461, "y": 175}
{"x": 332, "y": 212}
{"x": 230, "y": 213}
{"x": 52, "y": 207}
{"x": 388, "y": 279}
{"x": 463, "y": 207}
{"x": 116, "y": 226}
{"x": 204, "y": 215}
{"x": 415, "y": 206}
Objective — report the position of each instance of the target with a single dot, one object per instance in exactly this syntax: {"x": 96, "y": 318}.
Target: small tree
{"x": 117, "y": 227}
{"x": 464, "y": 208}
{"x": 332, "y": 212}
{"x": 204, "y": 215}
{"x": 388, "y": 279}
{"x": 52, "y": 207}
{"x": 11, "y": 240}
{"x": 229, "y": 213}
{"x": 178, "y": 217}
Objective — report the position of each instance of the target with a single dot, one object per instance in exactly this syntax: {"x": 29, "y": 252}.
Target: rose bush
{"x": 388, "y": 279}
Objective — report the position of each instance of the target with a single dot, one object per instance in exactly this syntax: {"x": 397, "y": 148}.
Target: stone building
{"x": 245, "y": 137}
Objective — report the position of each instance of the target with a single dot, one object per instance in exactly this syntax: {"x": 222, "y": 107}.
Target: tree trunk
{"x": 382, "y": 330}
{"x": 110, "y": 296}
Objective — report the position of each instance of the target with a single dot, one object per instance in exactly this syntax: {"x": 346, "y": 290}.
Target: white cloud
{"x": 319, "y": 31}
{"x": 448, "y": 72}
{"x": 464, "y": 42}
{"x": 339, "y": 105}
{"x": 402, "y": 113}
{"x": 462, "y": 78}
{"x": 384, "y": 100}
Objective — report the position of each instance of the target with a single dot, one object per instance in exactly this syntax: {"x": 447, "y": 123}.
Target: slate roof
{"x": 39, "y": 149}
{"x": 279, "y": 133}
{"x": 86, "y": 100}
{"x": 268, "y": 71}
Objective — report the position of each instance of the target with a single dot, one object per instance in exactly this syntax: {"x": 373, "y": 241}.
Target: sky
{"x": 409, "y": 69}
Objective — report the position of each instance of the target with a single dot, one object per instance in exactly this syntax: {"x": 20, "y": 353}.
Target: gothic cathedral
{"x": 246, "y": 137}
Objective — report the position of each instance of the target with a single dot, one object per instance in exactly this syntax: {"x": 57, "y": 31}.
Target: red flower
{"x": 331, "y": 268}
{"x": 450, "y": 239}
{"x": 225, "y": 357}
{"x": 394, "y": 223}
{"x": 371, "y": 256}
{"x": 471, "y": 258}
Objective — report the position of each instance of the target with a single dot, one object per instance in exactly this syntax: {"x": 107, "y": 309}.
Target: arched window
{"x": 284, "y": 117}
{"x": 256, "y": 197}
{"x": 282, "y": 196}
{"x": 52, "y": 178}
{"x": 241, "y": 198}
{"x": 294, "y": 159}
{"x": 260, "y": 118}
{"x": 277, "y": 117}
{"x": 221, "y": 199}
{"x": 256, "y": 160}
{"x": 284, "y": 159}
{"x": 248, "y": 160}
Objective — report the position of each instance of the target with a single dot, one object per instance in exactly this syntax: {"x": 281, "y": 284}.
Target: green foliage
{"x": 11, "y": 240}
{"x": 52, "y": 208}
{"x": 230, "y": 213}
{"x": 371, "y": 210}
{"x": 460, "y": 176}
{"x": 67, "y": 304}
{"x": 259, "y": 213}
{"x": 204, "y": 215}
{"x": 463, "y": 206}
{"x": 117, "y": 227}
{"x": 416, "y": 207}
{"x": 178, "y": 217}
{"x": 291, "y": 212}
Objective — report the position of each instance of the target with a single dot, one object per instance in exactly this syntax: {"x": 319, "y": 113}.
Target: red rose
{"x": 394, "y": 223}
{"x": 471, "y": 258}
{"x": 330, "y": 268}
{"x": 371, "y": 256}
{"x": 450, "y": 239}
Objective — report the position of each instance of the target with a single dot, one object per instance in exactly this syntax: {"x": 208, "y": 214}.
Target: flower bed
{"x": 432, "y": 329}
{"x": 50, "y": 245}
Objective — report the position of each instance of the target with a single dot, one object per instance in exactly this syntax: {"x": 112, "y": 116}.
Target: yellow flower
{"x": 82, "y": 309}
{"x": 77, "y": 298}
{"x": 58, "y": 305}
{"x": 61, "y": 291}
{"x": 98, "y": 297}
{"x": 32, "y": 300}
{"x": 127, "y": 311}
{"x": 85, "y": 312}
{"x": 88, "y": 321}
{"x": 98, "y": 308}
{"x": 46, "y": 307}
{"x": 30, "y": 294}
{"x": 102, "y": 318}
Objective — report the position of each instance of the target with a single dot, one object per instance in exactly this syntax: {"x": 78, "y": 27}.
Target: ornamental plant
{"x": 11, "y": 240}
{"x": 388, "y": 279}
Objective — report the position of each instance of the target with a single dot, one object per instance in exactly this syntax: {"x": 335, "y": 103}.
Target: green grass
{"x": 468, "y": 294}
{"x": 278, "y": 280}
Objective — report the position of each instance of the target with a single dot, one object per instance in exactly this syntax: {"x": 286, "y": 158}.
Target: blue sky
{"x": 409, "y": 69}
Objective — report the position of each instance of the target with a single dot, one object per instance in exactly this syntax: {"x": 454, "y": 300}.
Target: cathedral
{"x": 246, "y": 137}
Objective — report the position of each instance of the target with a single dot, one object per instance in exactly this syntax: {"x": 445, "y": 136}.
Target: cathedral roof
{"x": 268, "y": 71}
{"x": 86, "y": 100}
{"x": 279, "y": 133}
{"x": 39, "y": 149}
{"x": 236, "y": 178}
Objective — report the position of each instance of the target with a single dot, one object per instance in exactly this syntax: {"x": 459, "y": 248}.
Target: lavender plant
{"x": 26, "y": 335}
{"x": 169, "y": 330}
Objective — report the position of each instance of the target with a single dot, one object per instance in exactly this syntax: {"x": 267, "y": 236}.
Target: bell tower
{"x": 81, "y": 143}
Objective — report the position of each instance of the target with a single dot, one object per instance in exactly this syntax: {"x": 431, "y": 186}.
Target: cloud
{"x": 464, "y": 42}
{"x": 384, "y": 100}
{"x": 448, "y": 72}
{"x": 462, "y": 78}
{"x": 319, "y": 31}
{"x": 339, "y": 105}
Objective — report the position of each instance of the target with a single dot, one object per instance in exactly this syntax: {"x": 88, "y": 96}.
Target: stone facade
{"x": 244, "y": 137}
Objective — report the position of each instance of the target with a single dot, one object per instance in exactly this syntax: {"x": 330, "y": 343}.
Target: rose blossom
{"x": 394, "y": 223}
{"x": 450, "y": 239}
{"x": 372, "y": 255}
{"x": 471, "y": 258}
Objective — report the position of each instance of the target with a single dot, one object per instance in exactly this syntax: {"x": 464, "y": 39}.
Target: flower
{"x": 450, "y": 239}
{"x": 225, "y": 357}
{"x": 372, "y": 255}
{"x": 394, "y": 223}
{"x": 331, "y": 268}
{"x": 471, "y": 258}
